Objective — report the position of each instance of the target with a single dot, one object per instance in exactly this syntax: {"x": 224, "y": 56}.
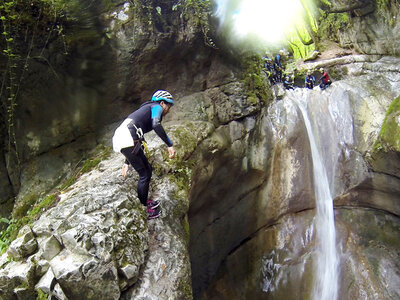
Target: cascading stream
{"x": 326, "y": 275}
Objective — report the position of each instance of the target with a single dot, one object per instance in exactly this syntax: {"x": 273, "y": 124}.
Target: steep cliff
{"x": 269, "y": 231}
{"x": 368, "y": 26}
{"x": 238, "y": 203}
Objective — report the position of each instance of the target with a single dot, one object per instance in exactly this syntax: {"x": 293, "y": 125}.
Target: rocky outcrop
{"x": 261, "y": 232}
{"x": 370, "y": 27}
{"x": 97, "y": 244}
{"x": 117, "y": 56}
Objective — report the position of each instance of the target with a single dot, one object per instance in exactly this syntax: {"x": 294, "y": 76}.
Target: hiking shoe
{"x": 153, "y": 203}
{"x": 153, "y": 213}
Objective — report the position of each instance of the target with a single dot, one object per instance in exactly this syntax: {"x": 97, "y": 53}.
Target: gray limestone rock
{"x": 23, "y": 246}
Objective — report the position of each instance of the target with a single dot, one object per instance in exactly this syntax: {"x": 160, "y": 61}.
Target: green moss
{"x": 11, "y": 232}
{"x": 100, "y": 153}
{"x": 184, "y": 137}
{"x": 337, "y": 73}
{"x": 31, "y": 214}
{"x": 89, "y": 165}
{"x": 330, "y": 25}
{"x": 383, "y": 8}
{"x": 197, "y": 11}
{"x": 299, "y": 75}
{"x": 42, "y": 205}
{"x": 185, "y": 288}
{"x": 253, "y": 79}
{"x": 41, "y": 295}
{"x": 32, "y": 206}
{"x": 186, "y": 228}
{"x": 21, "y": 209}
{"x": 389, "y": 135}
{"x": 70, "y": 181}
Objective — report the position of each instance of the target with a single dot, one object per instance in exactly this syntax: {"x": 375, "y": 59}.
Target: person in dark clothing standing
{"x": 128, "y": 139}
{"x": 278, "y": 67}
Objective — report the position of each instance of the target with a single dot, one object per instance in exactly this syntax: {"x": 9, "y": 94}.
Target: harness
{"x": 139, "y": 132}
{"x": 141, "y": 141}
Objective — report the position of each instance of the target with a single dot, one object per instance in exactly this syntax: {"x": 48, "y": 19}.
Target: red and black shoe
{"x": 153, "y": 213}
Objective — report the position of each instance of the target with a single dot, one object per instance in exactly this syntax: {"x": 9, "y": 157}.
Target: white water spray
{"x": 326, "y": 275}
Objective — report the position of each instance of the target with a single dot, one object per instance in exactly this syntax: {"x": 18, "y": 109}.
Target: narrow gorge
{"x": 240, "y": 203}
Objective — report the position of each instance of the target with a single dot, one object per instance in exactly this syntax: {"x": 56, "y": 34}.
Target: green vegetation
{"x": 185, "y": 288}
{"x": 299, "y": 49}
{"x": 42, "y": 205}
{"x": 337, "y": 73}
{"x": 254, "y": 81}
{"x": 330, "y": 25}
{"x": 100, "y": 153}
{"x": 389, "y": 135}
{"x": 198, "y": 13}
{"x": 27, "y": 27}
{"x": 195, "y": 13}
{"x": 302, "y": 39}
{"x": 41, "y": 295}
{"x": 25, "y": 214}
{"x": 33, "y": 206}
{"x": 384, "y": 10}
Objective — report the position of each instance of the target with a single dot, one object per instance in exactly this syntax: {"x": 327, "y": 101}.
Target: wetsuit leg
{"x": 140, "y": 163}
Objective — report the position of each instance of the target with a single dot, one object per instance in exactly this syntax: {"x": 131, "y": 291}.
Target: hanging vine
{"x": 27, "y": 27}
{"x": 199, "y": 12}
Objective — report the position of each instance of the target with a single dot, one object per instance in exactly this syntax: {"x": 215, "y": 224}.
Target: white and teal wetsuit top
{"x": 147, "y": 117}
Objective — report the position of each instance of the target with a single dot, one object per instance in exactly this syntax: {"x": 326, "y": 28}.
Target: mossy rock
{"x": 390, "y": 132}
{"x": 330, "y": 25}
{"x": 385, "y": 156}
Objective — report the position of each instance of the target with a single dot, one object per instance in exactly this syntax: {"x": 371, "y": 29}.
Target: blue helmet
{"x": 161, "y": 95}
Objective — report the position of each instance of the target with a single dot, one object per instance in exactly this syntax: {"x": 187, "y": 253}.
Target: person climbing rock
{"x": 129, "y": 140}
{"x": 309, "y": 81}
{"x": 325, "y": 80}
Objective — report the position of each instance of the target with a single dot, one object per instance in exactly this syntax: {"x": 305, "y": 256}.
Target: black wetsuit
{"x": 148, "y": 117}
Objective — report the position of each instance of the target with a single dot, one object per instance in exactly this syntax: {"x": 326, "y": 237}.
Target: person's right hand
{"x": 171, "y": 152}
{"x": 125, "y": 169}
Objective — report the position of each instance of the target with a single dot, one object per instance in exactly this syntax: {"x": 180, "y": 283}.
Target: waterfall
{"x": 326, "y": 262}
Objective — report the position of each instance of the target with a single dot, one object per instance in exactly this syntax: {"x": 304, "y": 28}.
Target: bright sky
{"x": 267, "y": 19}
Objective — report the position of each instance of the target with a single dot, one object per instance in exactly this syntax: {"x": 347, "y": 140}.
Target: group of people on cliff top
{"x": 325, "y": 80}
{"x": 273, "y": 68}
{"x": 274, "y": 71}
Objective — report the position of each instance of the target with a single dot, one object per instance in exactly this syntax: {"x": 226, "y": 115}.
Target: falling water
{"x": 326, "y": 278}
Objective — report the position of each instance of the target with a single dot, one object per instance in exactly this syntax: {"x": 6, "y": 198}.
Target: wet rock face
{"x": 370, "y": 27}
{"x": 258, "y": 229}
{"x": 374, "y": 270}
{"x": 162, "y": 46}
